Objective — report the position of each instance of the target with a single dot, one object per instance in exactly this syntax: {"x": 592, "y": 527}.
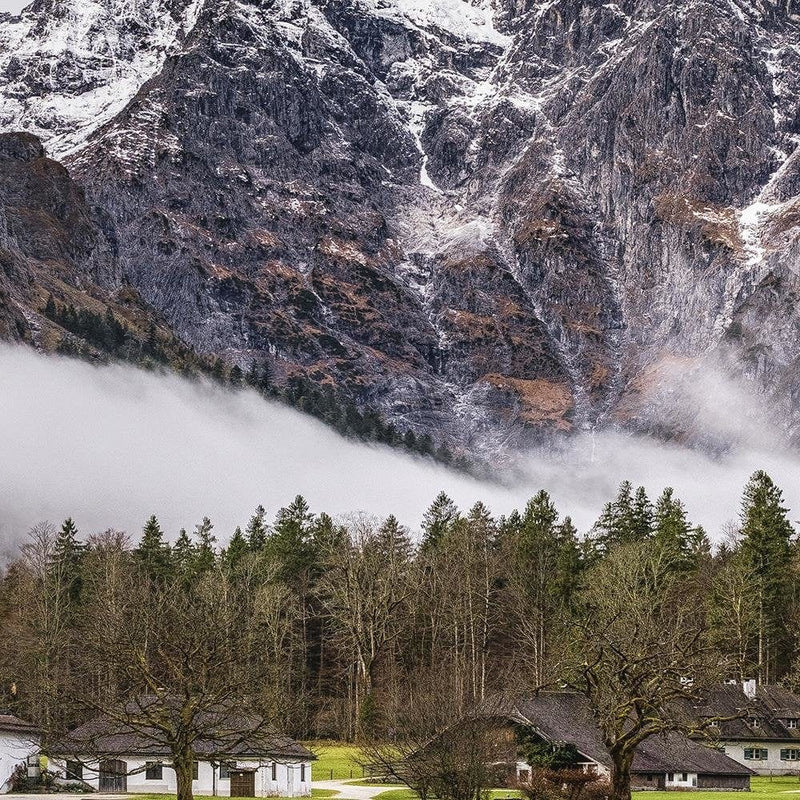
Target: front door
{"x": 113, "y": 776}
{"x": 243, "y": 784}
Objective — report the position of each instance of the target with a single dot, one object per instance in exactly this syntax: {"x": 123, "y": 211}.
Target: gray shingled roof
{"x": 10, "y": 723}
{"x": 771, "y": 706}
{"x": 230, "y": 732}
{"x": 564, "y": 717}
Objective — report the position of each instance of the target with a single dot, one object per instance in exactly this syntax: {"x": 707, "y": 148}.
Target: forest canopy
{"x": 341, "y": 626}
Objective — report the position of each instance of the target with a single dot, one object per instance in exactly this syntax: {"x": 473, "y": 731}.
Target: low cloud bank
{"x": 112, "y": 445}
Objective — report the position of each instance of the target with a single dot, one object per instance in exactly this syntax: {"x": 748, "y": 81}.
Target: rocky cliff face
{"x": 492, "y": 221}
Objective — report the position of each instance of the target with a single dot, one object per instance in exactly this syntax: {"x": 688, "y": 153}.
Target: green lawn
{"x": 763, "y": 788}
{"x": 760, "y": 789}
{"x": 335, "y": 761}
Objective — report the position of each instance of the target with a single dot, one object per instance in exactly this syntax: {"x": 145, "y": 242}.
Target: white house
{"x": 255, "y": 761}
{"x": 19, "y": 740}
{"x": 759, "y": 725}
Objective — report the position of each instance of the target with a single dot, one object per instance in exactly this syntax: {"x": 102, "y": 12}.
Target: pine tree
{"x": 291, "y": 542}
{"x": 628, "y": 519}
{"x": 438, "y": 520}
{"x": 326, "y": 535}
{"x": 183, "y": 552}
{"x": 68, "y": 555}
{"x": 569, "y": 563}
{"x": 767, "y": 551}
{"x": 257, "y": 530}
{"x": 205, "y": 555}
{"x": 236, "y": 377}
{"x": 153, "y": 554}
{"x": 236, "y": 551}
{"x": 394, "y": 540}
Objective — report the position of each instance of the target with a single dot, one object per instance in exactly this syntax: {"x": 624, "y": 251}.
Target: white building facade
{"x": 19, "y": 741}
{"x": 242, "y": 777}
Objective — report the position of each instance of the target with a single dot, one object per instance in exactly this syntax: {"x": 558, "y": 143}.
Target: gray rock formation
{"x": 492, "y": 221}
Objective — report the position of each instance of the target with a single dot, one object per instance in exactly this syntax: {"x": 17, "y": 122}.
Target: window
{"x": 153, "y": 771}
{"x": 274, "y": 770}
{"x": 790, "y": 754}
{"x": 195, "y": 770}
{"x": 683, "y": 777}
{"x": 756, "y": 754}
{"x": 224, "y": 771}
{"x": 754, "y": 722}
{"x": 791, "y": 723}
{"x": 670, "y": 777}
{"x": 302, "y": 773}
{"x": 74, "y": 771}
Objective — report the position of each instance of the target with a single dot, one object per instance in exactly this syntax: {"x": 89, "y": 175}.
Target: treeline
{"x": 94, "y": 332}
{"x": 353, "y": 619}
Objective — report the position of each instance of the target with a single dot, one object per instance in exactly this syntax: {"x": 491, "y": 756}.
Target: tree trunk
{"x": 183, "y": 764}
{"x": 621, "y": 776}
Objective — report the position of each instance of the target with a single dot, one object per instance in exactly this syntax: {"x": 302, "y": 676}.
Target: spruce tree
{"x": 205, "y": 554}
{"x": 183, "y": 553}
{"x": 236, "y": 551}
{"x": 68, "y": 555}
{"x": 152, "y": 553}
{"x": 438, "y": 519}
{"x": 628, "y": 519}
{"x": 394, "y": 540}
{"x": 257, "y": 531}
{"x": 766, "y": 548}
{"x": 291, "y": 542}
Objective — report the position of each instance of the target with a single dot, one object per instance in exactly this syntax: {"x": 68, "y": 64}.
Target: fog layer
{"x": 112, "y": 445}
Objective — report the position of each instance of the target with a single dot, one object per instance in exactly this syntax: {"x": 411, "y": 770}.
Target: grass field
{"x": 335, "y": 761}
{"x": 760, "y": 789}
{"x": 780, "y": 788}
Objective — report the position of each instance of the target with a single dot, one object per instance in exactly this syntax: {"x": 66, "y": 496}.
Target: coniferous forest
{"x": 337, "y": 628}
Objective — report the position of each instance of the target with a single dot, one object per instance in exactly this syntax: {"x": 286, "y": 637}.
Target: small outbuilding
{"x": 19, "y": 743}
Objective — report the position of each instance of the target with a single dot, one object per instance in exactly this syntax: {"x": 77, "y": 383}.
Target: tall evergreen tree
{"x": 766, "y": 549}
{"x": 68, "y": 555}
{"x": 628, "y": 519}
{"x": 394, "y": 539}
{"x": 152, "y": 553}
{"x": 205, "y": 555}
{"x": 257, "y": 530}
{"x": 183, "y": 553}
{"x": 236, "y": 551}
{"x": 438, "y": 519}
{"x": 291, "y": 543}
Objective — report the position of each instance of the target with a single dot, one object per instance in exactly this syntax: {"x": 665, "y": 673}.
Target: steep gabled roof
{"x": 564, "y": 717}
{"x": 228, "y": 732}
{"x": 673, "y": 752}
{"x": 771, "y": 707}
{"x": 11, "y": 724}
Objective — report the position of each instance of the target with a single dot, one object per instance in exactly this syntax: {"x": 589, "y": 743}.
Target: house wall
{"x": 730, "y": 782}
{"x": 681, "y": 780}
{"x": 287, "y": 783}
{"x": 650, "y": 780}
{"x": 14, "y": 749}
{"x": 770, "y": 766}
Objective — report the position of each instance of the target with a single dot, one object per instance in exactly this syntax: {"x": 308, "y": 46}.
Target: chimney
{"x": 749, "y": 687}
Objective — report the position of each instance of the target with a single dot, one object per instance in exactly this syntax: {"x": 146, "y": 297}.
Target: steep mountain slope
{"x": 489, "y": 220}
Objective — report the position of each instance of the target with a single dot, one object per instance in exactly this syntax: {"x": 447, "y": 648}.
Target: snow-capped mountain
{"x": 490, "y": 220}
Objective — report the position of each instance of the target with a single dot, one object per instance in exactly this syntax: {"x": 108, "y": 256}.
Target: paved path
{"x": 350, "y": 792}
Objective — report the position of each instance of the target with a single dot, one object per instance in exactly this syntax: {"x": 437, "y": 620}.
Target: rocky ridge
{"x": 494, "y": 221}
